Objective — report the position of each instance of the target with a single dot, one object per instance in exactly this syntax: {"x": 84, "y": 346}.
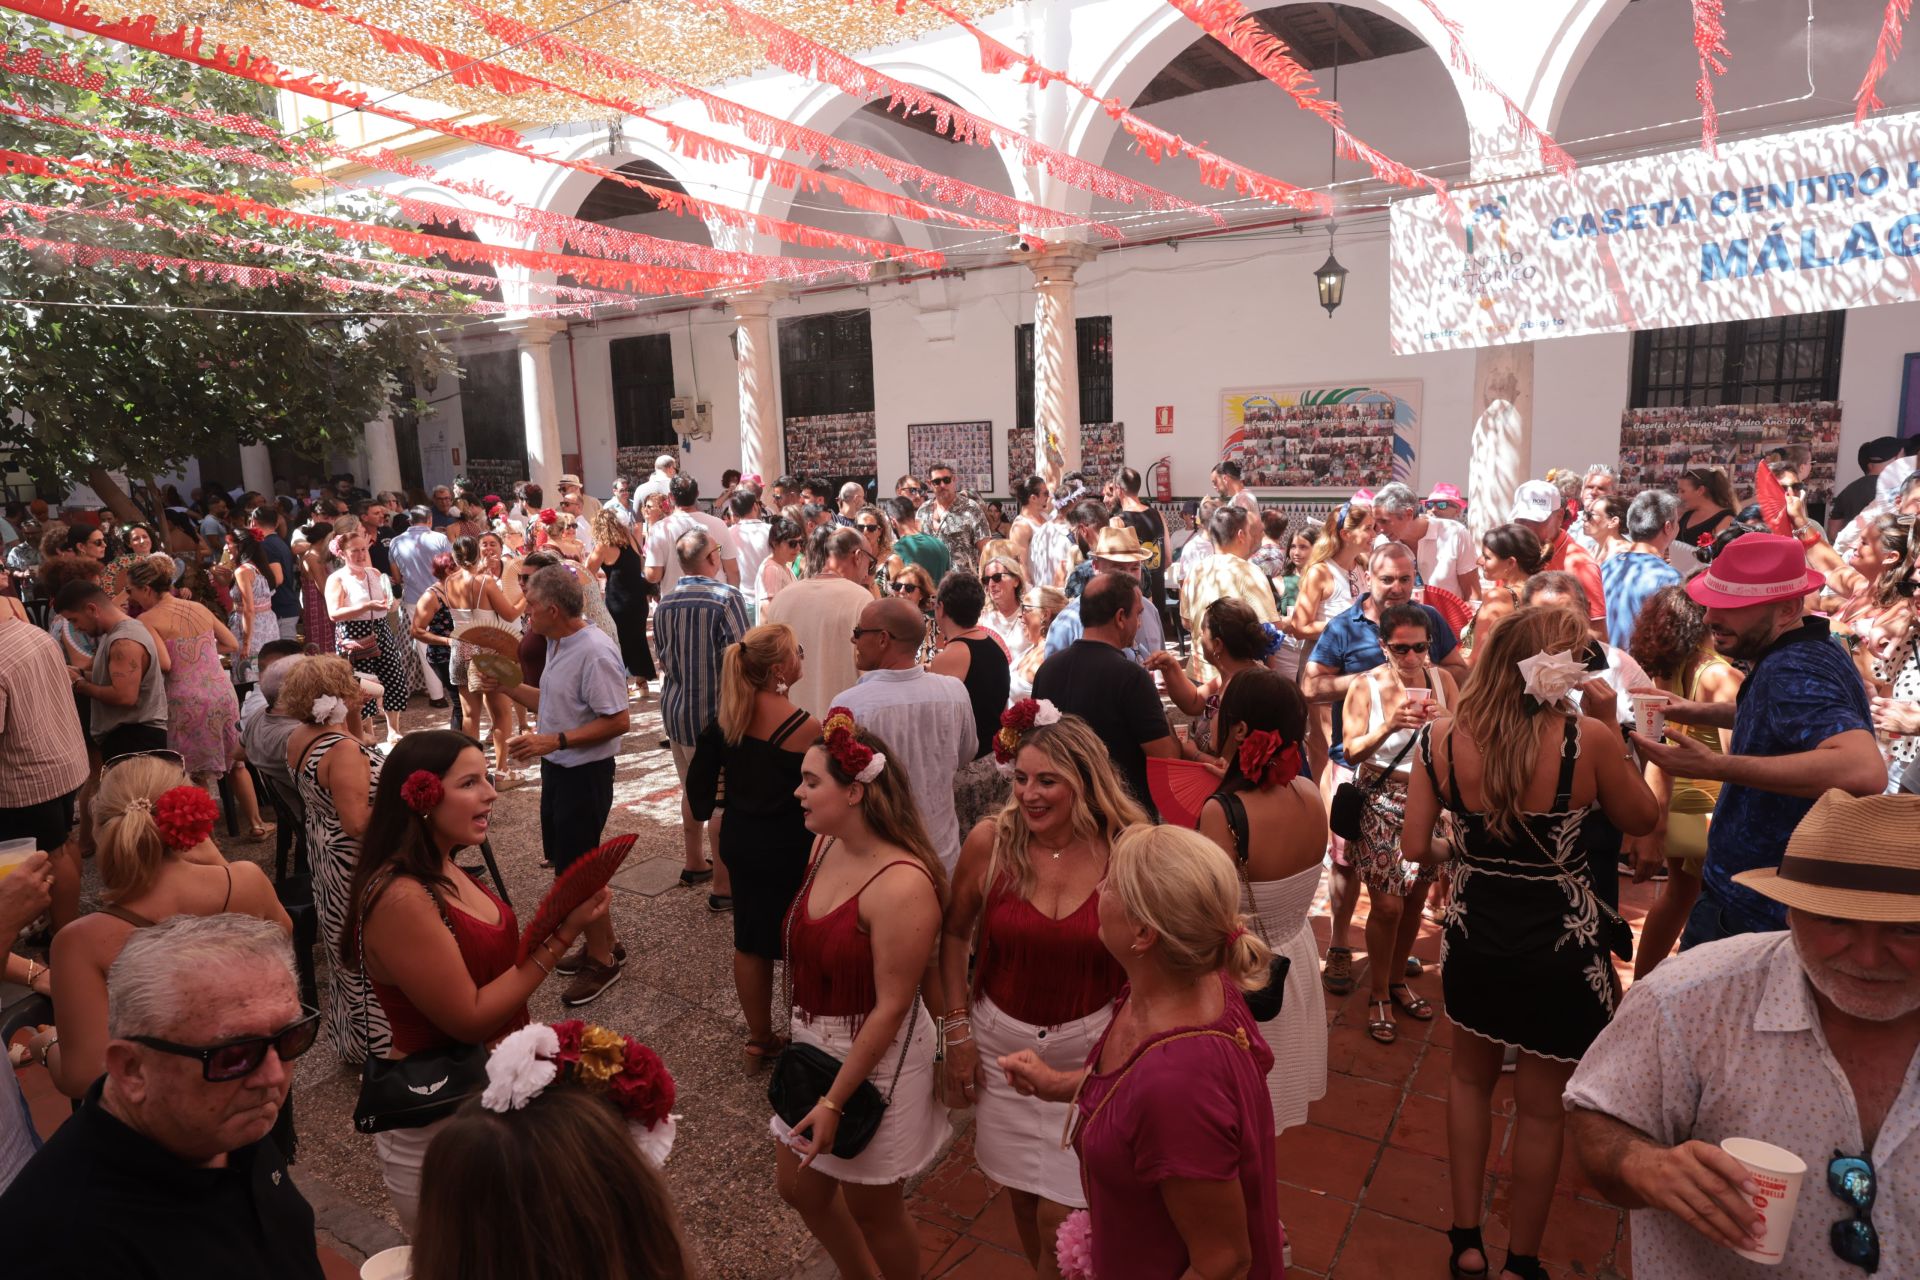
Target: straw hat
{"x": 1120, "y": 545}
{"x": 1852, "y": 858}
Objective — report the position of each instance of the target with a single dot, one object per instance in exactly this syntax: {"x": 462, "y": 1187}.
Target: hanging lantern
{"x": 1332, "y": 279}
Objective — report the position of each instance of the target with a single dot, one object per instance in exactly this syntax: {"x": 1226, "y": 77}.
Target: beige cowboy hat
{"x": 1852, "y": 858}
{"x": 1122, "y": 545}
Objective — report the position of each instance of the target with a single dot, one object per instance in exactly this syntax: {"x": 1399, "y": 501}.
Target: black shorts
{"x": 47, "y": 824}
{"x": 129, "y": 739}
{"x": 574, "y": 803}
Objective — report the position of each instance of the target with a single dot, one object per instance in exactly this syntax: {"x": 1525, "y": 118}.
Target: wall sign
{"x": 1163, "y": 420}
{"x": 1813, "y": 220}
{"x": 1341, "y": 438}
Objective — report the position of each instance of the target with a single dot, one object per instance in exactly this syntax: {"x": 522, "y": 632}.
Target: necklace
{"x": 1056, "y": 852}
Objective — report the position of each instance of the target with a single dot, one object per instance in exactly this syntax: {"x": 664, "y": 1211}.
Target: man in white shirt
{"x": 665, "y": 468}
{"x": 1226, "y": 483}
{"x": 1443, "y": 549}
{"x": 823, "y": 609}
{"x": 926, "y": 719}
{"x": 1804, "y": 1040}
{"x": 744, "y": 518}
{"x": 663, "y": 562}
{"x": 621, "y": 503}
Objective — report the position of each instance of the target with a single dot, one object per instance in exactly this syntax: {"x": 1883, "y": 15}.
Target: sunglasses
{"x": 1419, "y": 646}
{"x": 1793, "y": 488}
{"x": 999, "y": 577}
{"x": 916, "y": 489}
{"x": 941, "y": 479}
{"x": 800, "y": 651}
{"x": 238, "y": 1059}
{"x": 901, "y": 586}
{"x": 1854, "y": 1240}
{"x": 868, "y": 631}
{"x": 869, "y": 528}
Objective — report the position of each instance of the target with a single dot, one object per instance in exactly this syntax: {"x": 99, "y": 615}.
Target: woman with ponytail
{"x": 435, "y": 943}
{"x": 752, "y": 753}
{"x": 153, "y": 834}
{"x": 1170, "y": 1113}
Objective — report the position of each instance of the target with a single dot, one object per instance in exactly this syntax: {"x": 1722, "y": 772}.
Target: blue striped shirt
{"x": 692, "y": 628}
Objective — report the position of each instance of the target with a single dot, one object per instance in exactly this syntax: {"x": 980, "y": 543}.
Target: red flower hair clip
{"x": 258, "y": 535}
{"x": 1014, "y": 723}
{"x": 856, "y": 759}
{"x": 1704, "y": 540}
{"x": 1268, "y": 760}
{"x": 549, "y": 516}
{"x": 185, "y": 815}
{"x": 422, "y": 791}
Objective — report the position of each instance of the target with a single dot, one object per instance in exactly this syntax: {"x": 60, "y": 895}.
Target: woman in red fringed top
{"x": 1171, "y": 1117}
{"x": 1025, "y": 897}
{"x": 859, "y": 939}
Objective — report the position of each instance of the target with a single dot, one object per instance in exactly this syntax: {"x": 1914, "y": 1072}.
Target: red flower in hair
{"x": 1268, "y": 760}
{"x": 258, "y": 535}
{"x": 422, "y": 791}
{"x": 549, "y": 516}
{"x": 1014, "y": 721}
{"x": 643, "y": 1090}
{"x": 847, "y": 751}
{"x": 1704, "y": 540}
{"x": 185, "y": 816}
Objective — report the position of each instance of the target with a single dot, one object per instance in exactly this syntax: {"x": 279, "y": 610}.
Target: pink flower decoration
{"x": 1073, "y": 1246}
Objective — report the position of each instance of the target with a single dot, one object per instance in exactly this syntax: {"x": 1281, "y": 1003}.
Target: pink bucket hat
{"x": 1760, "y": 568}
{"x": 1447, "y": 493}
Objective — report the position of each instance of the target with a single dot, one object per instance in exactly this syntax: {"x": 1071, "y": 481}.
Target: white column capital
{"x": 536, "y": 331}
{"x": 1056, "y": 263}
{"x": 758, "y": 304}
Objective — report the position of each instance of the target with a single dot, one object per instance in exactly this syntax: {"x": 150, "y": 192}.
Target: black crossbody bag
{"x": 1350, "y": 798}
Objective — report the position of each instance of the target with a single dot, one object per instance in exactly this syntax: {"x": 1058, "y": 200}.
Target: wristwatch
{"x": 563, "y": 741}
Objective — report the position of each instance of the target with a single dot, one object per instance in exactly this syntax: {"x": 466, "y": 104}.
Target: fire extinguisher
{"x": 1163, "y": 480}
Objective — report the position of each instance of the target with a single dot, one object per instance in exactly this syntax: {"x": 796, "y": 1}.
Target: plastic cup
{"x": 1650, "y": 714}
{"x": 389, "y": 1264}
{"x": 13, "y": 853}
{"x": 1777, "y": 1173}
{"x": 1419, "y": 695}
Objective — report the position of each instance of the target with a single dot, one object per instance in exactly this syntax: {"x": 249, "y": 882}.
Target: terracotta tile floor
{"x": 1363, "y": 1184}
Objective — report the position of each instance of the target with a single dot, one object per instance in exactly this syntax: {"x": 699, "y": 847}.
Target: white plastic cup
{"x": 1417, "y": 694}
{"x": 389, "y": 1264}
{"x": 1777, "y": 1174}
{"x": 1650, "y": 714}
{"x": 15, "y": 852}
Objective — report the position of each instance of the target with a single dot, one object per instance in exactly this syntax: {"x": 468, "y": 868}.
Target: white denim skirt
{"x": 1016, "y": 1140}
{"x": 914, "y": 1130}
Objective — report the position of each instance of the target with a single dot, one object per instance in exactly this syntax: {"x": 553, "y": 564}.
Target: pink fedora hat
{"x": 1444, "y": 492}
{"x": 1760, "y": 568}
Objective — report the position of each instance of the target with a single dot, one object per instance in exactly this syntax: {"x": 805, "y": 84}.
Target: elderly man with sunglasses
{"x": 166, "y": 1169}
{"x": 1803, "y": 1039}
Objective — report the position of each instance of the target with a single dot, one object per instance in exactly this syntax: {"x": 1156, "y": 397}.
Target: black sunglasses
{"x": 1419, "y": 646}
{"x": 1854, "y": 1240}
{"x": 1794, "y": 488}
{"x": 237, "y": 1059}
{"x": 868, "y": 631}
{"x": 941, "y": 479}
{"x": 869, "y": 528}
{"x": 902, "y": 585}
{"x": 998, "y": 577}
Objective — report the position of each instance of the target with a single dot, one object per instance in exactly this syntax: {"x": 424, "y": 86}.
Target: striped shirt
{"x": 692, "y": 628}
{"x": 43, "y": 754}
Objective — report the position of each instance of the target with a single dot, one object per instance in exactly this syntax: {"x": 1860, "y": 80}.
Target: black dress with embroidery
{"x": 1525, "y": 957}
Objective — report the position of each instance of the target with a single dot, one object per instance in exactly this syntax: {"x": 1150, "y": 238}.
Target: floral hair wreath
{"x": 422, "y": 791}
{"x": 1028, "y": 713}
{"x": 859, "y": 761}
{"x": 602, "y": 1062}
{"x": 1269, "y": 760}
{"x": 185, "y": 816}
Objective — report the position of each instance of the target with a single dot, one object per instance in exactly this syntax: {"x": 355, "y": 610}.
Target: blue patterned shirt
{"x": 692, "y": 628}
{"x": 1803, "y": 691}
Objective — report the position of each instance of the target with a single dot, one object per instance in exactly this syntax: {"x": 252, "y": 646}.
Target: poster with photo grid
{"x": 1103, "y": 451}
{"x": 966, "y": 446}
{"x": 836, "y": 447}
{"x": 1657, "y": 445}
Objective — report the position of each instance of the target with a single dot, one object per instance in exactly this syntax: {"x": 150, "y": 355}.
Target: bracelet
{"x": 831, "y": 1105}
{"x": 955, "y": 1044}
{"x": 47, "y": 1048}
{"x": 31, "y": 967}
{"x": 535, "y": 957}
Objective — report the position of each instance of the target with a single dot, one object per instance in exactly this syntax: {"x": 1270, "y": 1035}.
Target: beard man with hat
{"x": 1801, "y": 727}
{"x": 1114, "y": 550}
{"x": 1804, "y": 1039}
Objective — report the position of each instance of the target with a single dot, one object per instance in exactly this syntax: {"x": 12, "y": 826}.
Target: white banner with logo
{"x": 1815, "y": 220}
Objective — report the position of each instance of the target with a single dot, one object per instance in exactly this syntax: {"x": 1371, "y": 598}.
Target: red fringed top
{"x": 831, "y": 958}
{"x": 487, "y": 949}
{"x": 1040, "y": 970}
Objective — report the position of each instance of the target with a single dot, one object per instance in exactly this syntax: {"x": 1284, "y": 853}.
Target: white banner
{"x": 1816, "y": 220}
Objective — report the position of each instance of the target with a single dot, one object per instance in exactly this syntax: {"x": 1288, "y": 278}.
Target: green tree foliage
{"x": 121, "y": 367}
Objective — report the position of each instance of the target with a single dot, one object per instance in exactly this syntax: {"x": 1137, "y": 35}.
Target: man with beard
{"x": 1801, "y": 727}
{"x": 1803, "y": 1039}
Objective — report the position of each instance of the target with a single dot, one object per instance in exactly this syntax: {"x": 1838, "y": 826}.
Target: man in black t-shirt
{"x": 1851, "y": 501}
{"x": 1123, "y": 499}
{"x": 1095, "y": 679}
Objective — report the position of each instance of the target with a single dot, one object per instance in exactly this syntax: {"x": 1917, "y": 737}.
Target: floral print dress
{"x": 203, "y": 715}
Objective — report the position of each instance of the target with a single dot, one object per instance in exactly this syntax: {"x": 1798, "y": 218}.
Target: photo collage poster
{"x": 834, "y": 446}
{"x": 1103, "y": 451}
{"x": 965, "y": 446}
{"x": 1656, "y": 445}
{"x": 1337, "y": 438}
{"x": 635, "y": 461}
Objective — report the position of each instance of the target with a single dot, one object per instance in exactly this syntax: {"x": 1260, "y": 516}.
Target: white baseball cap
{"x": 1536, "y": 500}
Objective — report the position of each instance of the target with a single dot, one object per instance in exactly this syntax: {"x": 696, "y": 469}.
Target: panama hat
{"x": 1119, "y": 545}
{"x": 1852, "y": 858}
{"x": 1760, "y": 568}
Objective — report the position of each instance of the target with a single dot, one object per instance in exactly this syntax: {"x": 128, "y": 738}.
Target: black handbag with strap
{"x": 1263, "y": 1003}
{"x": 414, "y": 1091}
{"x": 1350, "y": 798}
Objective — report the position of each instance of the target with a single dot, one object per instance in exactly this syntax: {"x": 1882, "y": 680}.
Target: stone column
{"x": 1056, "y": 360}
{"x": 1500, "y": 457}
{"x": 753, "y": 355}
{"x": 537, "y": 405}
{"x": 383, "y": 455}
{"x": 256, "y": 468}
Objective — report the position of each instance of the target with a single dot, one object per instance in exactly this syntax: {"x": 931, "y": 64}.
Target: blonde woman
{"x": 757, "y": 743}
{"x": 1527, "y": 938}
{"x": 1004, "y": 580}
{"x": 147, "y": 875}
{"x": 862, "y": 931}
{"x": 1039, "y": 606}
{"x": 1026, "y": 901}
{"x": 1170, "y": 1112}
{"x": 474, "y": 596}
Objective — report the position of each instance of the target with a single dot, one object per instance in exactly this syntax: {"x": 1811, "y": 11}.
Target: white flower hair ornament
{"x": 328, "y": 709}
{"x": 1550, "y": 677}
{"x": 623, "y": 1071}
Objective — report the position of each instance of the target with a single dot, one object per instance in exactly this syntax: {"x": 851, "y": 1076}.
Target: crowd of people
{"x": 1025, "y": 817}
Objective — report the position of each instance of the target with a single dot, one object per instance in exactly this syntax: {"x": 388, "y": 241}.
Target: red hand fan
{"x": 1179, "y": 788}
{"x": 1451, "y": 607}
{"x": 579, "y": 882}
{"x": 1772, "y": 499}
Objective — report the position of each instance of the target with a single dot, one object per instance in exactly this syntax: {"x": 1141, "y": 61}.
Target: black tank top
{"x": 989, "y": 679}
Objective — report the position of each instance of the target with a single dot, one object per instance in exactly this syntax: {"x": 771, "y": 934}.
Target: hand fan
{"x": 581, "y": 881}
{"x": 1179, "y": 788}
{"x": 492, "y": 639}
{"x": 1772, "y": 499}
{"x": 1451, "y": 607}
{"x": 505, "y": 671}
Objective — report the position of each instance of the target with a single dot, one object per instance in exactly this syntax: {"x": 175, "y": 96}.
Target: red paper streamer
{"x": 1885, "y": 49}
{"x": 816, "y": 62}
{"x": 1710, "y": 39}
{"x": 1155, "y": 142}
{"x": 187, "y": 45}
{"x": 770, "y": 131}
{"x": 1552, "y": 154}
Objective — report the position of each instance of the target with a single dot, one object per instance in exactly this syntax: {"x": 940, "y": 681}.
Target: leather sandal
{"x": 1465, "y": 1240}
{"x": 760, "y": 1053}
{"x": 1524, "y": 1265}
{"x": 1416, "y": 1007}
{"x": 1382, "y": 1028}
